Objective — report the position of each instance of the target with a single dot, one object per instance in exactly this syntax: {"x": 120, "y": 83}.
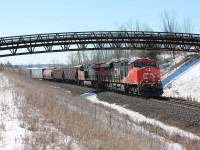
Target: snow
{"x": 139, "y": 118}
{"x": 169, "y": 61}
{"x": 14, "y": 135}
{"x": 184, "y": 82}
{"x": 180, "y": 71}
{"x": 11, "y": 133}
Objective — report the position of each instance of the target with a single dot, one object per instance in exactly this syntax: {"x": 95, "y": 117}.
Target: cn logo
{"x": 149, "y": 75}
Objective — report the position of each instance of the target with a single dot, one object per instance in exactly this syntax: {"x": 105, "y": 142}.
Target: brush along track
{"x": 178, "y": 102}
{"x": 163, "y": 109}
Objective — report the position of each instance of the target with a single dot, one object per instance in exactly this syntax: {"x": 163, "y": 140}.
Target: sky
{"x": 24, "y": 17}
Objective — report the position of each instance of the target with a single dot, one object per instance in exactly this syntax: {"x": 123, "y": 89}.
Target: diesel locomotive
{"x": 136, "y": 76}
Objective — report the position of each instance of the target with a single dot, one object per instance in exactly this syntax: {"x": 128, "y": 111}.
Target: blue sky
{"x": 49, "y": 16}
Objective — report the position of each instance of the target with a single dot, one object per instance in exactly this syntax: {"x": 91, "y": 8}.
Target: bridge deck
{"x": 98, "y": 40}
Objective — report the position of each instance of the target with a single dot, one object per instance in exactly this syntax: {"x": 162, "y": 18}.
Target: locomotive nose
{"x": 149, "y": 77}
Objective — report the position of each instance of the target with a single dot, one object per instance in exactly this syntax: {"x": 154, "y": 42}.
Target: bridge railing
{"x": 99, "y": 40}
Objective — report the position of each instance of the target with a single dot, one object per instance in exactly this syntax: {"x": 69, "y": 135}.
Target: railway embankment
{"x": 184, "y": 81}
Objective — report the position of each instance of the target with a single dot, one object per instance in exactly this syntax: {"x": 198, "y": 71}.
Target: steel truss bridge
{"x": 98, "y": 40}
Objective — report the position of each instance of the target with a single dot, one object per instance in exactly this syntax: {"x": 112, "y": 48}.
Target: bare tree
{"x": 138, "y": 26}
{"x": 78, "y": 55}
{"x": 55, "y": 63}
{"x": 72, "y": 59}
{"x": 85, "y": 57}
{"x": 169, "y": 22}
{"x": 146, "y": 27}
{"x": 30, "y": 65}
{"x": 96, "y": 56}
{"x": 38, "y": 65}
{"x": 187, "y": 26}
{"x": 119, "y": 54}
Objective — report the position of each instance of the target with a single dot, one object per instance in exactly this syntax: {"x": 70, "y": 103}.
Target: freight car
{"x": 58, "y": 74}
{"x": 47, "y": 74}
{"x": 36, "y": 73}
{"x": 70, "y": 75}
{"x": 74, "y": 75}
{"x": 55, "y": 74}
{"x": 30, "y": 72}
{"x": 139, "y": 76}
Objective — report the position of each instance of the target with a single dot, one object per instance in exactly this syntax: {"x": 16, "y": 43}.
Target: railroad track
{"x": 178, "y": 102}
{"x": 166, "y": 100}
{"x": 171, "y": 101}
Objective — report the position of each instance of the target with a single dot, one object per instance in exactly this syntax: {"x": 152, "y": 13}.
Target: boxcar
{"x": 25, "y": 72}
{"x": 36, "y": 73}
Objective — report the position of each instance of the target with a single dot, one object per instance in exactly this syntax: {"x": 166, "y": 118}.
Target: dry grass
{"x": 45, "y": 108}
{"x": 60, "y": 113}
{"x": 189, "y": 144}
{"x": 2, "y": 130}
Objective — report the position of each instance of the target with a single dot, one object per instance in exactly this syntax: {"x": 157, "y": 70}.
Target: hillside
{"x": 183, "y": 81}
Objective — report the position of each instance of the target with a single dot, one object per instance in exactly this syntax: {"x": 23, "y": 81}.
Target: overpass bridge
{"x": 98, "y": 40}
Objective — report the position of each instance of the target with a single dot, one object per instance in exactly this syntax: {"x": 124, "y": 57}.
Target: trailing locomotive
{"x": 139, "y": 76}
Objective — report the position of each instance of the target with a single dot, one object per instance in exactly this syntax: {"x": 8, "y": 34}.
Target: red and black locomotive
{"x": 139, "y": 76}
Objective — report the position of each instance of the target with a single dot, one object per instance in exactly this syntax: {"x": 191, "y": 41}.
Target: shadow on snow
{"x": 180, "y": 71}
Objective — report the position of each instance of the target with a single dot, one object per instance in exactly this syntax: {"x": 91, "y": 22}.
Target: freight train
{"x": 138, "y": 76}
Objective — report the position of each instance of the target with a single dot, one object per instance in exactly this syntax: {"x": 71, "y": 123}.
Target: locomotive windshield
{"x": 144, "y": 64}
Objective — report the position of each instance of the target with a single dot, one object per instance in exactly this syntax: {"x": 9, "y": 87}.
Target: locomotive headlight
{"x": 149, "y": 69}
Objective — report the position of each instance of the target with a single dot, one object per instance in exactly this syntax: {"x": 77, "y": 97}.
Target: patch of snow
{"x": 180, "y": 71}
{"x": 139, "y": 118}
{"x": 168, "y": 61}
{"x": 56, "y": 87}
{"x": 13, "y": 134}
{"x": 187, "y": 84}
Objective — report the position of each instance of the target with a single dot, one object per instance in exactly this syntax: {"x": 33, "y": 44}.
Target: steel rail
{"x": 186, "y": 104}
{"x": 98, "y": 40}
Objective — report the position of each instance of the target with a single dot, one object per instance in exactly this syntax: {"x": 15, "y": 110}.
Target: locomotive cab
{"x": 144, "y": 74}
{"x": 149, "y": 78}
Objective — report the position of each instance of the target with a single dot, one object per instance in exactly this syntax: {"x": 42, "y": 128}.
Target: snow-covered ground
{"x": 15, "y": 133}
{"x": 168, "y": 61}
{"x": 11, "y": 134}
{"x": 184, "y": 81}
